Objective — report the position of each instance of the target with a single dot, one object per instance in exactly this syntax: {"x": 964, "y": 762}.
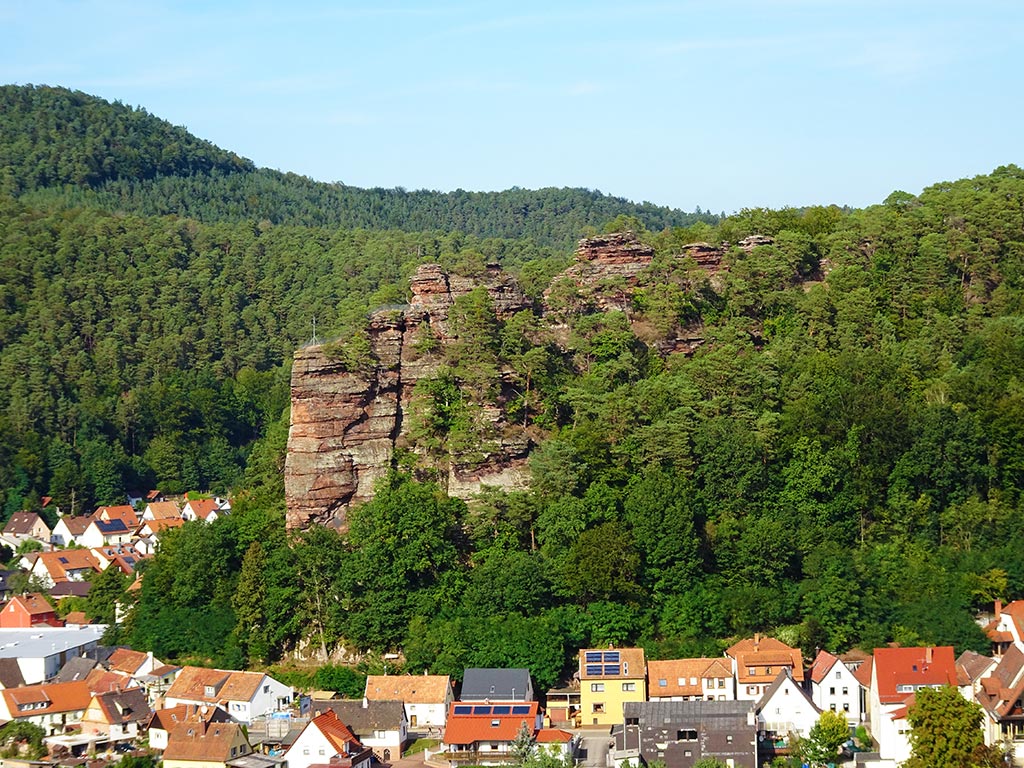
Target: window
{"x": 838, "y": 674}
{"x": 629, "y": 686}
{"x": 495, "y": 723}
{"x": 846, "y": 707}
{"x": 494, "y": 747}
{"x": 832, "y": 691}
{"x": 751, "y": 689}
{"x": 266, "y": 689}
{"x": 721, "y": 682}
{"x": 728, "y": 738}
{"x": 846, "y": 691}
{"x": 693, "y": 681}
{"x": 662, "y": 683}
{"x": 321, "y": 751}
{"x": 596, "y": 687}
{"x": 767, "y": 670}
{"x": 832, "y": 707}
{"x": 305, "y": 750}
{"x": 598, "y": 709}
{"x": 751, "y": 670}
{"x": 687, "y": 753}
{"x": 721, "y": 697}
{"x": 686, "y": 735}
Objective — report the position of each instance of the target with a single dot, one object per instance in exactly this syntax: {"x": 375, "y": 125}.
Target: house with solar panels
{"x": 483, "y": 734}
{"x": 608, "y": 679}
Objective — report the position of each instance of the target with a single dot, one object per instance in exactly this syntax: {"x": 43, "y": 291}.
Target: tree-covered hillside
{"x": 840, "y": 462}
{"x": 65, "y": 148}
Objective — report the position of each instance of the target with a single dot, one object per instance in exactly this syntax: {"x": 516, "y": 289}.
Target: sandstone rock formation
{"x": 346, "y": 423}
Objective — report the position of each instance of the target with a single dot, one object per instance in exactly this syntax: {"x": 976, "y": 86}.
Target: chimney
{"x": 928, "y": 655}
{"x": 757, "y": 639}
{"x": 999, "y": 608}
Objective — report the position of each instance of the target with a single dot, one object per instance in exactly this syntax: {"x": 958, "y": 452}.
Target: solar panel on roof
{"x": 501, "y": 710}
{"x": 520, "y": 710}
{"x": 593, "y": 669}
{"x": 463, "y": 710}
{"x": 592, "y": 656}
{"x": 611, "y": 669}
{"x": 481, "y": 710}
{"x": 611, "y": 656}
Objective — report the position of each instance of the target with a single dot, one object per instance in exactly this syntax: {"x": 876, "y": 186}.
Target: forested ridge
{"x": 840, "y": 463}
{"x": 67, "y": 149}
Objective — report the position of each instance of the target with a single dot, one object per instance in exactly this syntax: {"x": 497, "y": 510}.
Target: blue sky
{"x": 723, "y": 104}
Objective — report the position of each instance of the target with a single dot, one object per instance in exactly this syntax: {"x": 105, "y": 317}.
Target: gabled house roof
{"x": 376, "y": 715}
{"x": 47, "y": 698}
{"x": 60, "y": 562}
{"x": 410, "y": 689}
{"x": 900, "y": 671}
{"x": 115, "y": 527}
{"x": 123, "y": 512}
{"x": 164, "y": 510}
{"x": 1001, "y": 690}
{"x": 203, "y": 742}
{"x": 494, "y": 724}
{"x": 126, "y": 661}
{"x": 785, "y": 677}
{"x": 33, "y": 604}
{"x": 101, "y": 681}
{"x": 215, "y": 685}
{"x": 823, "y": 664}
{"x": 481, "y": 684}
{"x": 76, "y": 525}
{"x": 22, "y": 524}
{"x": 337, "y": 733}
{"x": 160, "y": 524}
{"x": 1008, "y": 624}
{"x": 120, "y": 707}
{"x": 684, "y": 677}
{"x": 203, "y": 508}
{"x": 765, "y": 655}
{"x": 971, "y": 666}
{"x": 170, "y": 718}
{"x": 74, "y": 669}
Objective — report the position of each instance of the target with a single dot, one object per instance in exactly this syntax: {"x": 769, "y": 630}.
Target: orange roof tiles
{"x": 33, "y": 603}
{"x": 164, "y": 510}
{"x": 127, "y": 661}
{"x": 61, "y": 561}
{"x": 760, "y": 659}
{"x": 203, "y": 507}
{"x": 467, "y": 729}
{"x": 227, "y": 685}
{"x": 895, "y": 667}
{"x": 553, "y": 736}
{"x": 57, "y": 697}
{"x": 822, "y": 665}
{"x": 203, "y": 742}
{"x": 122, "y": 512}
{"x": 411, "y": 689}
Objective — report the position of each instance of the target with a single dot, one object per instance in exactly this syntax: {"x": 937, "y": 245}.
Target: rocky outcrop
{"x": 346, "y": 423}
{"x": 348, "y": 417}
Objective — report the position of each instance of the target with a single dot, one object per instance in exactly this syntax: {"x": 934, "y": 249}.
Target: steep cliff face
{"x": 347, "y": 420}
{"x": 346, "y": 424}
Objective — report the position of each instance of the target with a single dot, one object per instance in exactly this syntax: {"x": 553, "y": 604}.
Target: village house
{"x": 27, "y": 525}
{"x": 483, "y": 734}
{"x": 116, "y": 715}
{"x": 785, "y": 714}
{"x": 608, "y": 679}
{"x": 327, "y": 741}
{"x": 680, "y": 733}
{"x": 102, "y": 533}
{"x": 426, "y": 698}
{"x": 51, "y": 706}
{"x": 161, "y": 510}
{"x": 28, "y": 610}
{"x": 205, "y": 745}
{"x": 757, "y": 661}
{"x": 61, "y": 565}
{"x": 834, "y": 687}
{"x": 691, "y": 680}
{"x": 68, "y": 530}
{"x": 245, "y": 695}
{"x": 999, "y": 690}
{"x": 132, "y": 664}
{"x": 895, "y": 675}
{"x": 1007, "y": 627}
{"x": 163, "y": 721}
{"x": 123, "y": 512}
{"x": 206, "y": 510}
{"x": 378, "y": 725}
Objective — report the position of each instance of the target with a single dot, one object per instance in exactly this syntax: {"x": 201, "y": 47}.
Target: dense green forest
{"x": 67, "y": 149}
{"x": 840, "y": 463}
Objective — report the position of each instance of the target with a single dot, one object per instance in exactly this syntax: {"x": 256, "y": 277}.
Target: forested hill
{"x": 60, "y": 147}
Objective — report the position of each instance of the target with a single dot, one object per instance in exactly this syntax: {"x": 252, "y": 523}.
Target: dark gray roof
{"x": 377, "y": 715}
{"x": 10, "y": 674}
{"x": 495, "y": 684}
{"x": 675, "y": 711}
{"x": 77, "y": 668}
{"x": 70, "y": 589}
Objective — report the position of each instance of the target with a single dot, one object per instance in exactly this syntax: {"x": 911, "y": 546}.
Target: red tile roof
{"x": 33, "y": 603}
{"x": 411, "y": 689}
{"x": 467, "y": 729}
{"x": 228, "y": 685}
{"x": 122, "y": 512}
{"x": 126, "y": 661}
{"x": 822, "y": 665}
{"x": 553, "y": 736}
{"x": 203, "y": 742}
{"x": 337, "y": 733}
{"x": 684, "y": 677}
{"x": 203, "y": 507}
{"x": 915, "y": 667}
{"x": 59, "y": 562}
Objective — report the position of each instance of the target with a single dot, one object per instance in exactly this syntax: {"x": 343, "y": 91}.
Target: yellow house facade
{"x": 608, "y": 679}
